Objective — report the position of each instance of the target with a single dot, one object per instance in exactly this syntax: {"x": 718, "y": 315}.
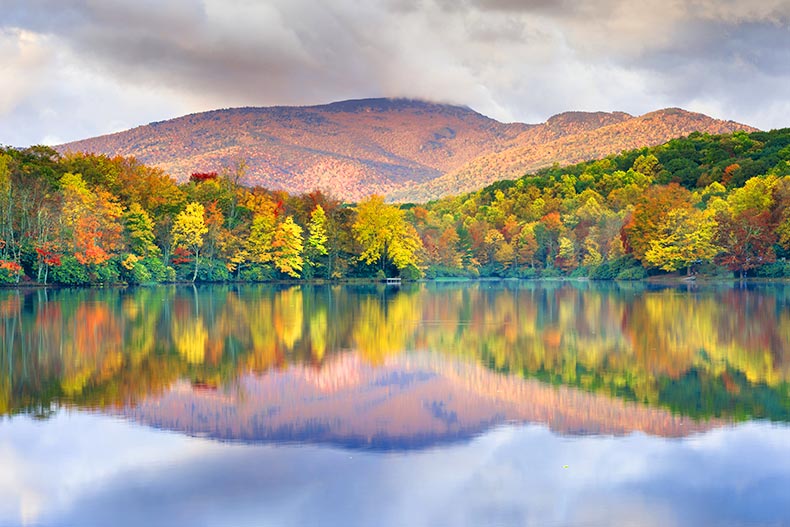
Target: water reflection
{"x": 477, "y": 404}
{"x": 708, "y": 353}
{"x": 513, "y": 476}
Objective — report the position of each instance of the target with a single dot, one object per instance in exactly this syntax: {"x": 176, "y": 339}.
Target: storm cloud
{"x": 77, "y": 68}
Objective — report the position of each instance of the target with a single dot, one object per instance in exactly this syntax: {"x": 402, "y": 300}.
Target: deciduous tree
{"x": 189, "y": 230}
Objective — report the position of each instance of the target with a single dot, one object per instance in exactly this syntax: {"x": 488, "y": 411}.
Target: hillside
{"x": 406, "y": 149}
{"x": 538, "y": 148}
{"x": 352, "y": 148}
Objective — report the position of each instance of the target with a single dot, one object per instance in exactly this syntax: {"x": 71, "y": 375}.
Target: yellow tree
{"x": 258, "y": 248}
{"x": 287, "y": 248}
{"x": 385, "y": 235}
{"x": 315, "y": 248}
{"x": 685, "y": 237}
{"x": 188, "y": 231}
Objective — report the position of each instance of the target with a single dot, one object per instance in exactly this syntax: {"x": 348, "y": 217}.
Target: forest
{"x": 714, "y": 205}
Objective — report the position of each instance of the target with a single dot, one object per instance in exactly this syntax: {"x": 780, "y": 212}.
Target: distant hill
{"x": 539, "y": 148}
{"x": 410, "y": 402}
{"x": 406, "y": 149}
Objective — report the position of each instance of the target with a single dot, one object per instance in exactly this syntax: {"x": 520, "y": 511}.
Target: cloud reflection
{"x": 124, "y": 475}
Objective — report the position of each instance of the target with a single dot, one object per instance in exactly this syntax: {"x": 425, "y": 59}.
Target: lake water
{"x": 492, "y": 403}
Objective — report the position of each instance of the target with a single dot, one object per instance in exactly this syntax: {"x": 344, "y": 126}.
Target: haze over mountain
{"x": 406, "y": 149}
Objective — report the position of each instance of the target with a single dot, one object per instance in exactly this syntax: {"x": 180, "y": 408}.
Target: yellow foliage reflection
{"x": 190, "y": 337}
{"x": 110, "y": 347}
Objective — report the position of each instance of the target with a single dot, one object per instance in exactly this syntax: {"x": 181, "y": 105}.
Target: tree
{"x": 526, "y": 245}
{"x": 90, "y": 220}
{"x": 650, "y": 216}
{"x": 384, "y": 234}
{"x": 566, "y": 254}
{"x": 315, "y": 248}
{"x": 287, "y": 248}
{"x": 685, "y": 237}
{"x": 258, "y": 247}
{"x": 139, "y": 229}
{"x": 447, "y": 248}
{"x": 592, "y": 253}
{"x": 747, "y": 239}
{"x": 188, "y": 231}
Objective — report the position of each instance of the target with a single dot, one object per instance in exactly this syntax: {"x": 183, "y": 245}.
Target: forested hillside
{"x": 710, "y": 204}
{"x": 393, "y": 147}
{"x": 543, "y": 146}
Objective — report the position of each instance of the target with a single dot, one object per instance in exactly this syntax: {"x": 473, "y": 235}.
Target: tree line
{"x": 701, "y": 204}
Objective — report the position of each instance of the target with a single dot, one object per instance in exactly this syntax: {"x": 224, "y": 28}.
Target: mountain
{"x": 538, "y": 149}
{"x": 411, "y": 401}
{"x": 406, "y": 149}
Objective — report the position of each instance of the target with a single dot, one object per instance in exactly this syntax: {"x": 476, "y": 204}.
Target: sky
{"x": 72, "y": 69}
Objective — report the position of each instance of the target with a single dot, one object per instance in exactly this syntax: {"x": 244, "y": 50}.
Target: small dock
{"x": 392, "y": 281}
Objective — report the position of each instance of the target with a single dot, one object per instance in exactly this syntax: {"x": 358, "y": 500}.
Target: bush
{"x": 632, "y": 273}
{"x": 107, "y": 273}
{"x": 528, "y": 272}
{"x": 159, "y": 272}
{"x": 70, "y": 272}
{"x": 411, "y": 272}
{"x": 10, "y": 272}
{"x": 581, "y": 272}
{"x": 712, "y": 270}
{"x": 256, "y": 273}
{"x": 212, "y": 271}
{"x": 442, "y": 271}
{"x": 612, "y": 269}
{"x": 550, "y": 272}
{"x": 780, "y": 269}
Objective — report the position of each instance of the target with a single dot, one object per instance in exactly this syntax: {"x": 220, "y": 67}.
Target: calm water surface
{"x": 512, "y": 403}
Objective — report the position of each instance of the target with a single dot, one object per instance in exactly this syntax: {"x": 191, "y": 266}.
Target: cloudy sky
{"x": 71, "y": 69}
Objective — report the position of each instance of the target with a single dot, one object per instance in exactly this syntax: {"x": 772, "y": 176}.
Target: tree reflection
{"x": 708, "y": 352}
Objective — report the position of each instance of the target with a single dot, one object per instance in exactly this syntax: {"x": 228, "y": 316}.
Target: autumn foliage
{"x": 701, "y": 204}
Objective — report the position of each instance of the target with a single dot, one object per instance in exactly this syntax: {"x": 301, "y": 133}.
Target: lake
{"x": 484, "y": 403}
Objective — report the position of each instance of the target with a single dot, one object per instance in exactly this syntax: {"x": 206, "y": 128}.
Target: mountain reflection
{"x": 390, "y": 368}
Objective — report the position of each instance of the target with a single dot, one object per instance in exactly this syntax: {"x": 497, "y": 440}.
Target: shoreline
{"x": 651, "y": 280}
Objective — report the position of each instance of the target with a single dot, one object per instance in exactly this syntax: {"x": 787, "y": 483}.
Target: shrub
{"x": 780, "y": 269}
{"x": 411, "y": 272}
{"x": 632, "y": 273}
{"x": 159, "y": 272}
{"x": 256, "y": 273}
{"x": 10, "y": 272}
{"x": 213, "y": 271}
{"x": 70, "y": 272}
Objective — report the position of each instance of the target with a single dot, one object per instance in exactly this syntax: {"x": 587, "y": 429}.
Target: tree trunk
{"x": 194, "y": 275}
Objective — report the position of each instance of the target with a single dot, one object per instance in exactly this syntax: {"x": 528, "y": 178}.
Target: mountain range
{"x": 407, "y": 150}
{"x": 410, "y": 401}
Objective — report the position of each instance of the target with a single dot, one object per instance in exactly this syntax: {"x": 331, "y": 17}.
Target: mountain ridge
{"x": 359, "y": 147}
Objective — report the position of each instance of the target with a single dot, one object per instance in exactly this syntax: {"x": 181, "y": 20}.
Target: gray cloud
{"x": 74, "y": 68}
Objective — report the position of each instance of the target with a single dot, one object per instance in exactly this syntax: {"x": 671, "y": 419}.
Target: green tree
{"x": 139, "y": 230}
